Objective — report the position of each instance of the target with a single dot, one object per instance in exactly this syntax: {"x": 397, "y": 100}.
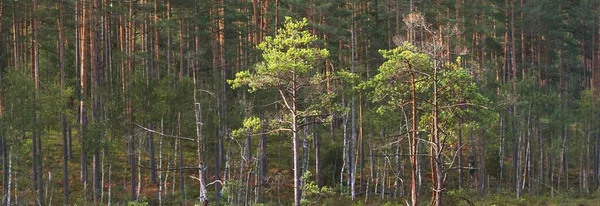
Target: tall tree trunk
{"x": 97, "y": 58}
{"x": 130, "y": 31}
{"x": 63, "y": 117}
{"x": 181, "y": 71}
{"x": 514, "y": 90}
{"x": 152, "y": 65}
{"x": 33, "y": 136}
{"x": 203, "y": 198}
{"x": 3, "y": 147}
{"x": 352, "y": 140}
{"x": 37, "y": 143}
{"x": 295, "y": 154}
{"x": 83, "y": 87}
{"x": 437, "y": 144}
{"x": 414, "y": 158}
{"x": 219, "y": 65}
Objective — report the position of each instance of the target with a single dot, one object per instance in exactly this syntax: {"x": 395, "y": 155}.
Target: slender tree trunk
{"x": 295, "y": 154}
{"x": 5, "y": 169}
{"x": 3, "y": 147}
{"x": 383, "y": 178}
{"x": 198, "y": 114}
{"x": 70, "y": 135}
{"x": 37, "y": 143}
{"x": 317, "y": 141}
{"x": 160, "y": 150}
{"x": 83, "y": 87}
{"x": 97, "y": 63}
{"x": 351, "y": 142}
{"x": 181, "y": 42}
{"x": 139, "y": 171}
{"x": 263, "y": 159}
{"x": 7, "y": 188}
{"x": 109, "y": 200}
{"x": 361, "y": 145}
{"x": 130, "y": 30}
{"x": 169, "y": 39}
{"x": 133, "y": 166}
{"x": 587, "y": 160}
{"x": 180, "y": 160}
{"x": 437, "y": 144}
{"x": 102, "y": 175}
{"x": 305, "y": 152}
{"x": 346, "y": 150}
{"x": 501, "y": 151}
{"x": 218, "y": 162}
{"x": 152, "y": 159}
{"x": 414, "y": 159}
{"x": 460, "y": 155}
{"x": 16, "y": 177}
{"x": 34, "y": 154}
{"x": 514, "y": 90}
{"x": 63, "y": 117}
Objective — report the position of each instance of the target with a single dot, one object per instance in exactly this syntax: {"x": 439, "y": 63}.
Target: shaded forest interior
{"x": 243, "y": 102}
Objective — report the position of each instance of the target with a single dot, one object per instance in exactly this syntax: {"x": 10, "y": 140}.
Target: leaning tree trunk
{"x": 203, "y": 198}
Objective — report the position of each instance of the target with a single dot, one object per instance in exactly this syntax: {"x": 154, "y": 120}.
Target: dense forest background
{"x": 267, "y": 101}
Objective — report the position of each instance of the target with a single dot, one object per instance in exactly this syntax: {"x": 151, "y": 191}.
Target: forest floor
{"x": 491, "y": 199}
{"x": 120, "y": 188}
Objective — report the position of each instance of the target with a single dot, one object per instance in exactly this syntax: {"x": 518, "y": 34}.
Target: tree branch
{"x": 165, "y": 135}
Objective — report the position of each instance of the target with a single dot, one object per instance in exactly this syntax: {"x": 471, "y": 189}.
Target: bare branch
{"x": 168, "y": 169}
{"x": 165, "y": 135}
{"x": 466, "y": 104}
{"x": 285, "y": 100}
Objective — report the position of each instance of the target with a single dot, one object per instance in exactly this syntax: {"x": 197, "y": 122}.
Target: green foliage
{"x": 19, "y": 100}
{"x": 139, "y": 202}
{"x": 458, "y": 96}
{"x": 288, "y": 66}
{"x": 290, "y": 54}
{"x": 389, "y": 85}
{"x": 251, "y": 125}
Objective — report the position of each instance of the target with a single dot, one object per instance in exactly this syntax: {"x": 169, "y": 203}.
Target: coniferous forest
{"x": 300, "y": 102}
